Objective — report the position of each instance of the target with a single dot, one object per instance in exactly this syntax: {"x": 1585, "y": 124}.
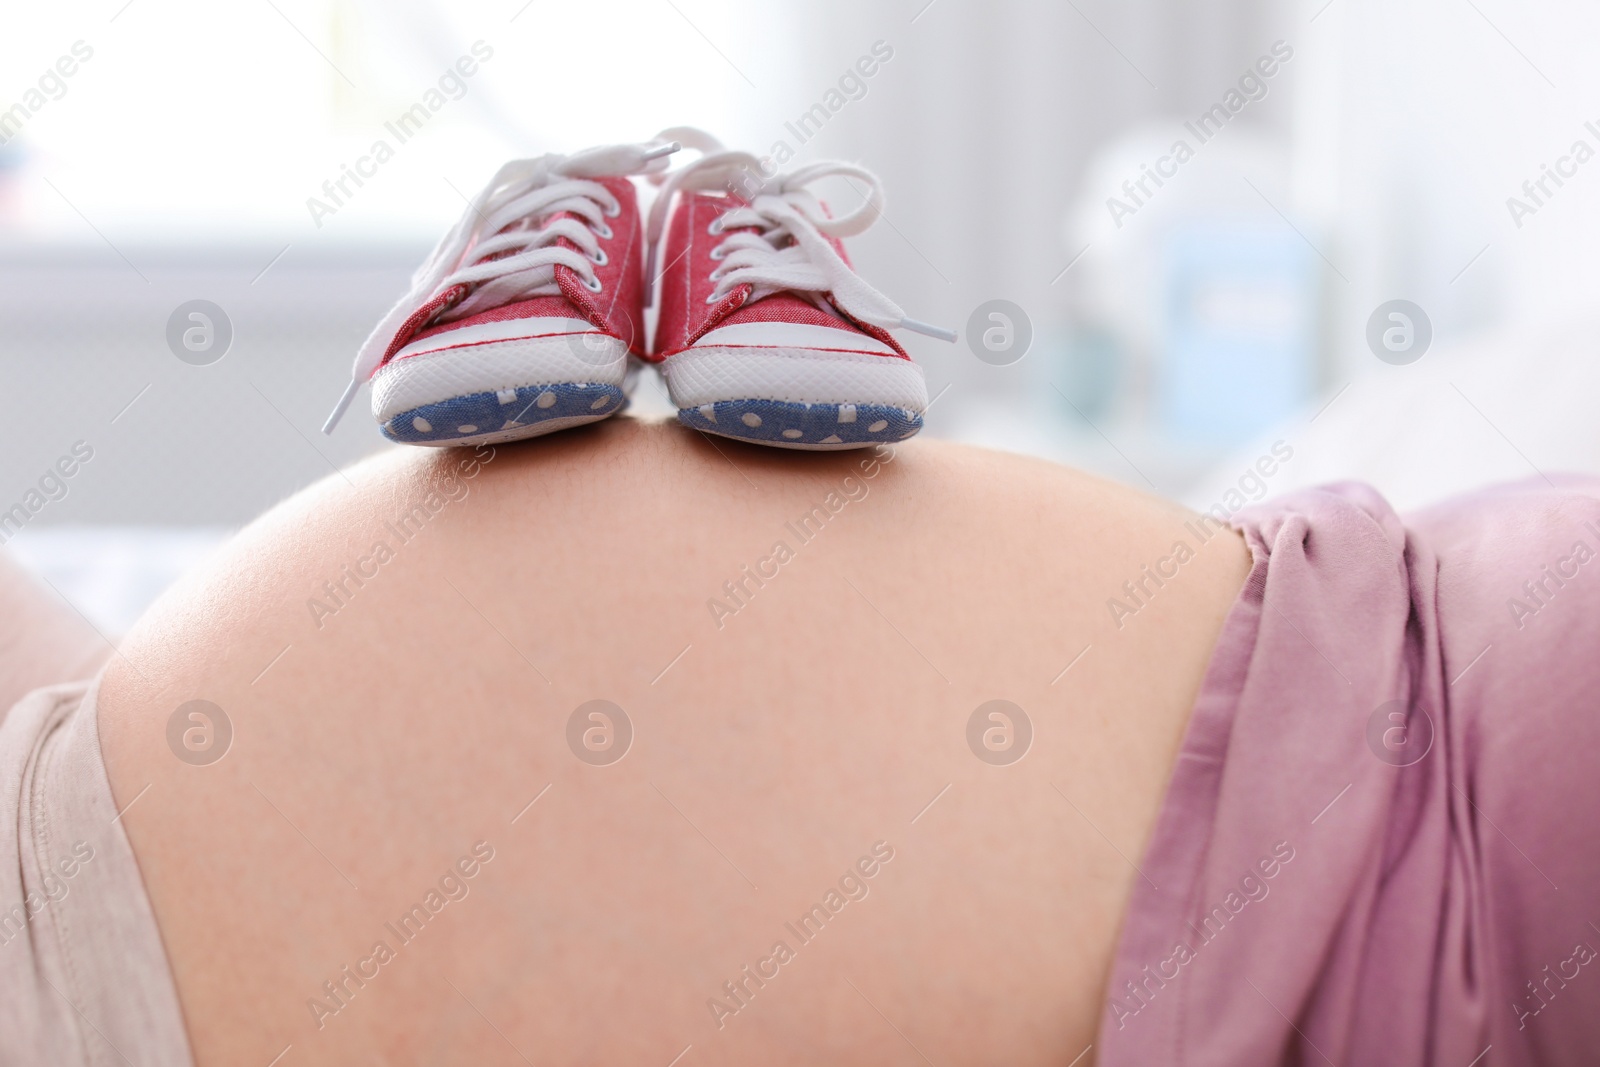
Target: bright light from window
{"x": 184, "y": 120}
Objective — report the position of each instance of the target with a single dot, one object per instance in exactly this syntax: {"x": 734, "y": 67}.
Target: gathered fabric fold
{"x": 1377, "y": 843}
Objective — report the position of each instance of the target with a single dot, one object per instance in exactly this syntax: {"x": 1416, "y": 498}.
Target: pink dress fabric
{"x": 1381, "y": 842}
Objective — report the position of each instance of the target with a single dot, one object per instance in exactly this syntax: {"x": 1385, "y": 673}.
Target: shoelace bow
{"x": 779, "y": 243}
{"x": 504, "y": 246}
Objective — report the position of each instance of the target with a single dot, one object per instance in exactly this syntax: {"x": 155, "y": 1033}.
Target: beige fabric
{"x": 84, "y": 978}
{"x": 83, "y": 975}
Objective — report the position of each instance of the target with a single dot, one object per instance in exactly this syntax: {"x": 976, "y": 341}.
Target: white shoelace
{"x": 504, "y": 246}
{"x": 781, "y": 244}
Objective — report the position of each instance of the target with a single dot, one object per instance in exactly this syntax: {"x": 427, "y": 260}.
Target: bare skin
{"x": 783, "y": 746}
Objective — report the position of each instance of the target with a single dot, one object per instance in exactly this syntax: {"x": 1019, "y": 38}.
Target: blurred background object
{"x": 1190, "y": 216}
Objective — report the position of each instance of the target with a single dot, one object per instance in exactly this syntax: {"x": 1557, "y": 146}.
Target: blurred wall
{"x": 1415, "y": 125}
{"x": 84, "y": 356}
{"x": 983, "y": 129}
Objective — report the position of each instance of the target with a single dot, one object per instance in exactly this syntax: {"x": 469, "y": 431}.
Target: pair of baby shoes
{"x": 530, "y": 315}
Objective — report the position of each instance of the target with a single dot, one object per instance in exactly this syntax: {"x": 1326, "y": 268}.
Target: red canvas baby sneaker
{"x": 522, "y": 320}
{"x": 765, "y": 333}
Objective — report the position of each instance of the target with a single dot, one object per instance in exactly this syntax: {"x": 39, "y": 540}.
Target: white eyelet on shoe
{"x": 712, "y": 298}
{"x": 718, "y": 253}
{"x": 600, "y": 258}
{"x": 612, "y": 212}
{"x": 715, "y": 229}
{"x": 604, "y": 232}
{"x": 596, "y": 287}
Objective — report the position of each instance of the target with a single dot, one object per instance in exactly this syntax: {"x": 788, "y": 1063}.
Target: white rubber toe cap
{"x": 496, "y": 356}
{"x": 711, "y": 373}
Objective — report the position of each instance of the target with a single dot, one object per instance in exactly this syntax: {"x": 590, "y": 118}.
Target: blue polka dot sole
{"x": 815, "y": 427}
{"x": 506, "y": 415}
